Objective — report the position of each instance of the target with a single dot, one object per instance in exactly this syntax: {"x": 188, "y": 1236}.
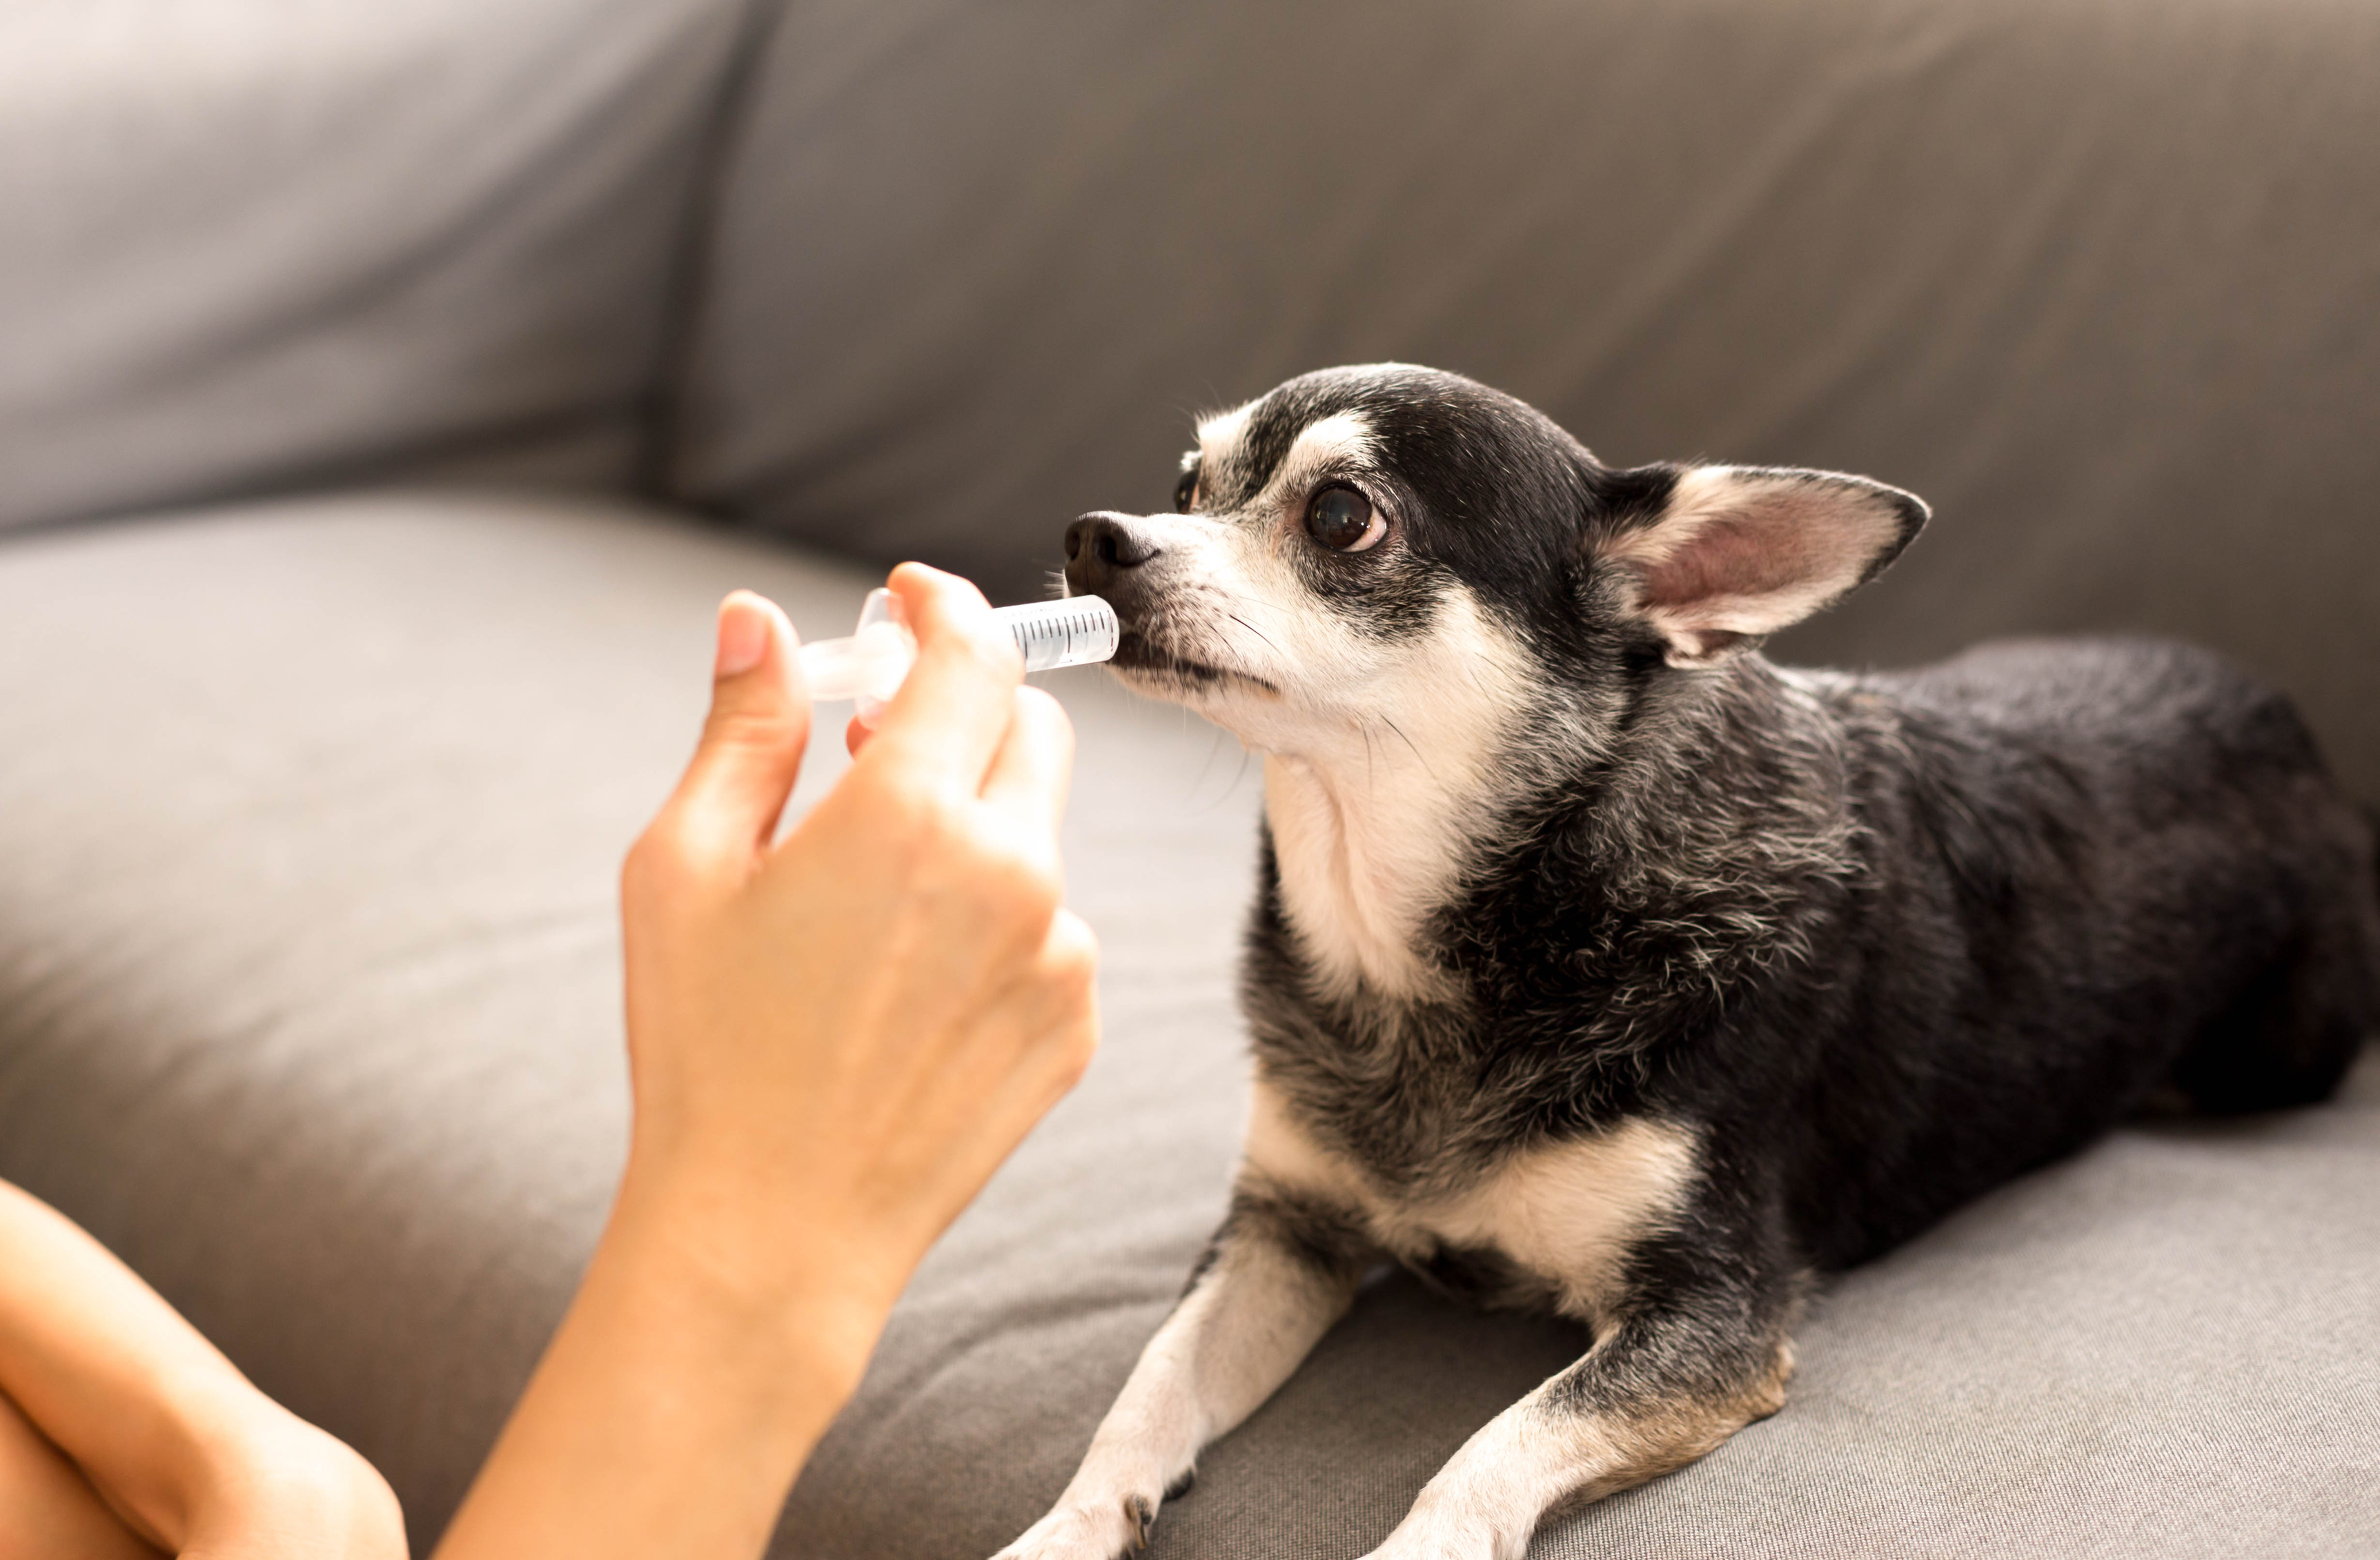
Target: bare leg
{"x": 1651, "y": 1396}
{"x": 1279, "y": 1275}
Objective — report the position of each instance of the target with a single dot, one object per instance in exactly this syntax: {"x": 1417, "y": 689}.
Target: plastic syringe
{"x": 868, "y": 666}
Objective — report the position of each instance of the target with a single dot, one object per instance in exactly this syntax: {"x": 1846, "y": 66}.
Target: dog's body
{"x": 1599, "y": 965}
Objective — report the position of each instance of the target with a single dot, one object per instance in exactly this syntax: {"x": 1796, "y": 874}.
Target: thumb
{"x": 728, "y": 803}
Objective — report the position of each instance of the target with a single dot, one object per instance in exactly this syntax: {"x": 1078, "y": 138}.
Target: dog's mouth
{"x": 1148, "y": 659}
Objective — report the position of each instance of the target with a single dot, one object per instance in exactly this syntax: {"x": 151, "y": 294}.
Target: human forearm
{"x": 687, "y": 1384}
{"x": 171, "y": 1434}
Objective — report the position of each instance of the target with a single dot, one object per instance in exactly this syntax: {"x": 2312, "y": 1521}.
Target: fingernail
{"x": 743, "y": 636}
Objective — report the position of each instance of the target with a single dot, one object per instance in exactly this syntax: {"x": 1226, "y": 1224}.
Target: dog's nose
{"x": 1106, "y": 540}
{"x": 1103, "y": 552}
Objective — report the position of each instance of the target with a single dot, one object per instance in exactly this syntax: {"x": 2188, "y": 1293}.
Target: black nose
{"x": 1101, "y": 552}
{"x": 1106, "y": 540}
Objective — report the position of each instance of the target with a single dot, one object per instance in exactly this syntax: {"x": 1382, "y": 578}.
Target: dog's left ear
{"x": 1738, "y": 552}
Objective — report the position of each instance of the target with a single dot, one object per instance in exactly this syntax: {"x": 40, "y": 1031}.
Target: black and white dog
{"x": 1599, "y": 964}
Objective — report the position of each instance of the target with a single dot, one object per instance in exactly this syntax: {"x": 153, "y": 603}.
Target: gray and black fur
{"x": 1737, "y": 973}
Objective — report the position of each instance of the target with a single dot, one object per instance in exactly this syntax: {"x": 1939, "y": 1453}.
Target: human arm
{"x": 125, "y": 1433}
{"x": 834, "y": 1038}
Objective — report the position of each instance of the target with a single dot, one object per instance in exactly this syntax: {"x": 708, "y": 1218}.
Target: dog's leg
{"x": 1279, "y": 1272}
{"x": 1659, "y": 1390}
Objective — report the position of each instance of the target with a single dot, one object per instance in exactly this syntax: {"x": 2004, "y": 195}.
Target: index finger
{"x": 953, "y": 708}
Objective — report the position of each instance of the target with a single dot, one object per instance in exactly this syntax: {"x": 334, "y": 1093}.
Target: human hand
{"x": 836, "y": 1037}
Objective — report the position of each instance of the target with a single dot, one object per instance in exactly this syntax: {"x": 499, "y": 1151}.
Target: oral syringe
{"x": 868, "y": 666}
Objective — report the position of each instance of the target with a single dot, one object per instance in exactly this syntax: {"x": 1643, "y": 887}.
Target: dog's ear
{"x": 1732, "y": 552}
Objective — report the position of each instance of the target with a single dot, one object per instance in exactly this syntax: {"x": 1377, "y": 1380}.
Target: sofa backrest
{"x": 247, "y": 244}
{"x": 2100, "y": 278}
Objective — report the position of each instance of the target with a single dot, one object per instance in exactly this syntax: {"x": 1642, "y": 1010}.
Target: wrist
{"x": 703, "y": 1351}
{"x": 801, "y": 1288}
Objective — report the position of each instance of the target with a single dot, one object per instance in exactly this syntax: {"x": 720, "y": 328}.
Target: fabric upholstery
{"x": 309, "y": 814}
{"x": 311, "y": 817}
{"x": 256, "y": 243}
{"x": 2099, "y": 278}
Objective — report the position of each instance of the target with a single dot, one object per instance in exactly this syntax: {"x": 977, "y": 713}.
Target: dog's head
{"x": 1389, "y": 544}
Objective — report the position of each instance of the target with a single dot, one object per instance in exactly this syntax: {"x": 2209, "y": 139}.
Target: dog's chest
{"x": 1559, "y": 1217}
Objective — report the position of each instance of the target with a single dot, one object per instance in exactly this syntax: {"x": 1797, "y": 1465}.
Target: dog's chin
{"x": 1148, "y": 666}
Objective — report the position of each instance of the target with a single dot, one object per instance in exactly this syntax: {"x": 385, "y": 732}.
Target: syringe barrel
{"x": 869, "y": 665}
{"x": 1073, "y": 631}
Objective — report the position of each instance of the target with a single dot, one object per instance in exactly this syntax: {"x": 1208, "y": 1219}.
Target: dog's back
{"x": 2083, "y": 849}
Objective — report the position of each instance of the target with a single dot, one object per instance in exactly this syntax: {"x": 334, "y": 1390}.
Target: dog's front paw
{"x": 1086, "y": 1531}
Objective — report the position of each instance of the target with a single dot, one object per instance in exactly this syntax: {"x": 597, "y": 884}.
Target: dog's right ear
{"x": 1734, "y": 553}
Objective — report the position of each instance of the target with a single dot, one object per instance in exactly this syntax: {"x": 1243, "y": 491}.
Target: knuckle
{"x": 937, "y": 829}
{"x": 898, "y": 814}
{"x": 667, "y": 866}
{"x": 1073, "y": 952}
{"x": 1075, "y": 1045}
{"x": 1005, "y": 893}
{"x": 956, "y": 845}
{"x": 1027, "y": 883}
{"x": 761, "y": 731}
{"x": 655, "y": 864}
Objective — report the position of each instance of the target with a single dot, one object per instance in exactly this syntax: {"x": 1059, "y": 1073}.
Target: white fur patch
{"x": 1374, "y": 816}
{"x": 1229, "y": 1343}
{"x": 1220, "y": 432}
{"x": 1566, "y": 1213}
{"x": 1330, "y": 446}
{"x": 1380, "y": 756}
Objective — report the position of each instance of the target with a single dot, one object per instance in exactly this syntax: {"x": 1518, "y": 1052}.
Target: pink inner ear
{"x": 1757, "y": 554}
{"x": 1749, "y": 552}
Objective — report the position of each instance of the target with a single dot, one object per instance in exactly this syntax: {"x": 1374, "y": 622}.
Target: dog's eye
{"x": 1185, "y": 492}
{"x": 1344, "y": 520}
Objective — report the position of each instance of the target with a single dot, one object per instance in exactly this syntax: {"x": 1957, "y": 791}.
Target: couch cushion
{"x": 310, "y": 818}
{"x": 252, "y": 242}
{"x": 2101, "y": 280}
{"x": 309, "y": 821}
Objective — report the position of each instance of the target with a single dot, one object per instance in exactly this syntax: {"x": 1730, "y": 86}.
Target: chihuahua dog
{"x": 1598, "y": 964}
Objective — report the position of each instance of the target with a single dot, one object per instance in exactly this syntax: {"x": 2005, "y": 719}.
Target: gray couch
{"x": 388, "y": 392}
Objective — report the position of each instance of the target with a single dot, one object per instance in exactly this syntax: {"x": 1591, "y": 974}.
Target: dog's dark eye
{"x": 1185, "y": 492}
{"x": 1344, "y": 520}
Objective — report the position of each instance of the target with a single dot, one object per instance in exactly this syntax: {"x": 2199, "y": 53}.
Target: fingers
{"x": 951, "y": 713}
{"x": 1044, "y": 1044}
{"x": 1070, "y": 961}
{"x": 1030, "y": 772}
{"x": 1061, "y": 1030}
{"x": 727, "y": 806}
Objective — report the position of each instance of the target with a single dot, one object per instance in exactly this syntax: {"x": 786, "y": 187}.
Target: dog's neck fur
{"x": 1375, "y": 810}
{"x": 1374, "y": 835}
{"x": 1365, "y": 852}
